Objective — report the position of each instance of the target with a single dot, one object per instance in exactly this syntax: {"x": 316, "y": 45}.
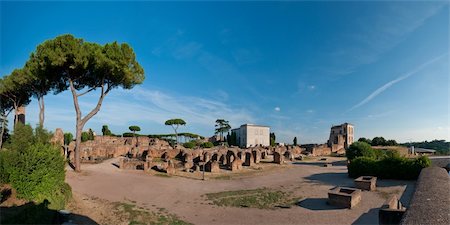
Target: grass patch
{"x": 223, "y": 177}
{"x": 157, "y": 160}
{"x": 260, "y": 198}
{"x": 138, "y": 216}
{"x": 162, "y": 175}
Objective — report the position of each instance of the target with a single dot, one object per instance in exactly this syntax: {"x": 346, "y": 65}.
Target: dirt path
{"x": 183, "y": 196}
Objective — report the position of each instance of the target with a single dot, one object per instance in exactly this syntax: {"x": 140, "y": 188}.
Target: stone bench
{"x": 344, "y": 197}
{"x": 391, "y": 212}
{"x": 367, "y": 183}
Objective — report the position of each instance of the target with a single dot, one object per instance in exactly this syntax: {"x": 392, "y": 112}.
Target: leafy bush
{"x": 22, "y": 138}
{"x": 190, "y": 144}
{"x": 362, "y": 166}
{"x": 360, "y": 149}
{"x": 37, "y": 172}
{"x": 207, "y": 145}
{"x": 34, "y": 167}
{"x": 5, "y": 158}
{"x": 390, "y": 167}
{"x": 84, "y": 136}
{"x": 68, "y": 137}
{"x": 60, "y": 197}
{"x": 106, "y": 131}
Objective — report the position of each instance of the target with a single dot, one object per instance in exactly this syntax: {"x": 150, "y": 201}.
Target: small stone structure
{"x": 278, "y": 158}
{"x": 344, "y": 197}
{"x": 391, "y": 212}
{"x": 236, "y": 165}
{"x": 212, "y": 167}
{"x": 367, "y": 183}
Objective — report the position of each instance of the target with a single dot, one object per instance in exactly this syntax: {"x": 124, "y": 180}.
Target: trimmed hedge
{"x": 388, "y": 168}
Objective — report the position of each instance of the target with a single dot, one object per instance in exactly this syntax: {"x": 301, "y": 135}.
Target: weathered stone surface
{"x": 344, "y": 197}
{"x": 278, "y": 158}
{"x": 170, "y": 167}
{"x": 391, "y": 212}
{"x": 212, "y": 166}
{"x": 367, "y": 183}
{"x": 248, "y": 159}
{"x": 256, "y": 156}
{"x": 58, "y": 137}
{"x": 431, "y": 200}
{"x": 236, "y": 165}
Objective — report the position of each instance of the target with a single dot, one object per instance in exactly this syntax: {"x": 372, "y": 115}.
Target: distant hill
{"x": 441, "y": 146}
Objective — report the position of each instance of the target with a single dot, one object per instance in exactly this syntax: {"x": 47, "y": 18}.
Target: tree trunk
{"x": 82, "y": 121}
{"x": 3, "y": 128}
{"x": 16, "y": 115}
{"x": 41, "y": 110}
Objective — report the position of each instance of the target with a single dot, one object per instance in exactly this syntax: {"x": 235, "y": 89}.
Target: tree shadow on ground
{"x": 333, "y": 179}
{"x": 31, "y": 213}
{"x": 370, "y": 217}
{"x": 317, "y": 204}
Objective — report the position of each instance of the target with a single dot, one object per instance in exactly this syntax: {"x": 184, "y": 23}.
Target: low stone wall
{"x": 430, "y": 203}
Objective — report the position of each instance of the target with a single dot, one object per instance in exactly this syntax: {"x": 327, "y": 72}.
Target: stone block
{"x": 367, "y": 183}
{"x": 278, "y": 158}
{"x": 236, "y": 165}
{"x": 344, "y": 197}
{"x": 391, "y": 212}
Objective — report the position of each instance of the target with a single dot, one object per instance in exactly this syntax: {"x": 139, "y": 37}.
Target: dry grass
{"x": 261, "y": 198}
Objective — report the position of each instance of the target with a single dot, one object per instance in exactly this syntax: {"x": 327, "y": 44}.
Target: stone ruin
{"x": 211, "y": 160}
{"x": 344, "y": 197}
{"x": 144, "y": 153}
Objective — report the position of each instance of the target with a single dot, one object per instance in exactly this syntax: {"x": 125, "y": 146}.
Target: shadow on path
{"x": 333, "y": 179}
{"x": 370, "y": 217}
{"x": 317, "y": 204}
{"x": 32, "y": 213}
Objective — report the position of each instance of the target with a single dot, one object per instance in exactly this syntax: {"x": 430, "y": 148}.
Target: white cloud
{"x": 392, "y": 82}
{"x": 311, "y": 87}
{"x": 146, "y": 108}
{"x": 277, "y": 109}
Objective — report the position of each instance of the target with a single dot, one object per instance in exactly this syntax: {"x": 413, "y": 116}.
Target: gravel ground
{"x": 309, "y": 181}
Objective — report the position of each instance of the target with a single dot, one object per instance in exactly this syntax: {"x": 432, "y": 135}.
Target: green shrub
{"x": 362, "y": 166}
{"x": 60, "y": 197}
{"x": 207, "y": 145}
{"x": 5, "y": 159}
{"x": 84, "y": 136}
{"x": 22, "y": 137}
{"x": 360, "y": 149}
{"x": 37, "y": 172}
{"x": 68, "y": 137}
{"x": 190, "y": 144}
{"x": 389, "y": 167}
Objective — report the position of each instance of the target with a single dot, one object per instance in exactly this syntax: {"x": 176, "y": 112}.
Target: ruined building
{"x": 20, "y": 115}
{"x": 341, "y": 137}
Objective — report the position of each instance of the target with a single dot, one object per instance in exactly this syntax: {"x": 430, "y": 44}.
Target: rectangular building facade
{"x": 250, "y": 135}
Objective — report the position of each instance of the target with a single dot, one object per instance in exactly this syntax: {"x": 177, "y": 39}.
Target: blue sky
{"x": 298, "y": 67}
